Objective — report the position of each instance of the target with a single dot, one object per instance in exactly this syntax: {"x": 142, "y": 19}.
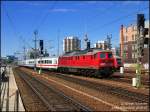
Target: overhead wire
{"x": 114, "y": 21}
{"x": 102, "y": 13}
{"x": 17, "y": 34}
{"x": 45, "y": 16}
{"x": 41, "y": 23}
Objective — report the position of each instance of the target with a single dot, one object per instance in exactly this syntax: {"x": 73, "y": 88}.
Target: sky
{"x": 59, "y": 19}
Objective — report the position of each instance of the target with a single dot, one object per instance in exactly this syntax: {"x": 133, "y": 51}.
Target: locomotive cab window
{"x": 102, "y": 55}
{"x": 109, "y": 55}
{"x": 119, "y": 61}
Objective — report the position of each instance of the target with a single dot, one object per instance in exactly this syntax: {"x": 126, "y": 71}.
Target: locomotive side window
{"x": 91, "y": 57}
{"x": 102, "y": 55}
{"x": 76, "y": 58}
{"x": 83, "y": 57}
{"x": 109, "y": 55}
{"x": 95, "y": 55}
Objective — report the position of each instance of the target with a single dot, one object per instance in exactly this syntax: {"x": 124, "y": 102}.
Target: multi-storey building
{"x": 128, "y": 45}
{"x": 101, "y": 45}
{"x": 71, "y": 44}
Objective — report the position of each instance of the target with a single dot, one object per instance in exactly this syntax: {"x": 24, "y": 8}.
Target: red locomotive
{"x": 88, "y": 62}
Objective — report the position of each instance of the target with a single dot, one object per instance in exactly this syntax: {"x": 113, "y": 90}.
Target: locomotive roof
{"x": 85, "y": 52}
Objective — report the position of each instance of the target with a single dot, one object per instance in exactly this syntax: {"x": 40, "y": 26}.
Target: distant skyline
{"x": 19, "y": 19}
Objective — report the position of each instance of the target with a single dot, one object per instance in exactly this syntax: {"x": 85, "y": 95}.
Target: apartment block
{"x": 71, "y": 43}
{"x": 128, "y": 44}
{"x": 101, "y": 45}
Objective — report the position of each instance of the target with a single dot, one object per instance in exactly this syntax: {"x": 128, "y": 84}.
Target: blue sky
{"x": 70, "y": 18}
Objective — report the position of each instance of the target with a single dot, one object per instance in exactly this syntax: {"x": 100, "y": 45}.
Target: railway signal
{"x": 141, "y": 33}
{"x": 41, "y": 47}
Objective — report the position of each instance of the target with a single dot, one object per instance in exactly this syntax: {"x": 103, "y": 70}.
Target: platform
{"x": 10, "y": 97}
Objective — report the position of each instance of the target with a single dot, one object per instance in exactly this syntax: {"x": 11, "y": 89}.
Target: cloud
{"x": 31, "y": 3}
{"x": 63, "y": 10}
{"x": 130, "y": 2}
{"x": 91, "y": 2}
{"x": 87, "y": 3}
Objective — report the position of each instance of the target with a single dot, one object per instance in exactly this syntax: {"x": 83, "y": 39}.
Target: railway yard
{"x": 53, "y": 91}
{"x": 75, "y": 56}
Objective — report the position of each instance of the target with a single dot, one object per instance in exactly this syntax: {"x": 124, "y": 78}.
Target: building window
{"x": 133, "y": 47}
{"x": 135, "y": 28}
{"x": 132, "y": 37}
{"x": 136, "y": 55}
{"x": 135, "y": 36}
{"x": 126, "y": 39}
{"x": 133, "y": 55}
{"x": 132, "y": 28}
{"x": 145, "y": 46}
{"x": 126, "y": 29}
{"x": 125, "y": 48}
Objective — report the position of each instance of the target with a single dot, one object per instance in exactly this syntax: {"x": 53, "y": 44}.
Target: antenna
{"x": 35, "y": 53}
{"x": 58, "y": 34}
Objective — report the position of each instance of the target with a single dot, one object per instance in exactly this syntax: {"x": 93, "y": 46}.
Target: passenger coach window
{"x": 109, "y": 55}
{"x": 55, "y": 61}
{"x": 50, "y": 61}
{"x": 102, "y": 55}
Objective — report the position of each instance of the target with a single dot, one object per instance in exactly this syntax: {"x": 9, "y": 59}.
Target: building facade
{"x": 101, "y": 45}
{"x": 128, "y": 44}
{"x": 71, "y": 44}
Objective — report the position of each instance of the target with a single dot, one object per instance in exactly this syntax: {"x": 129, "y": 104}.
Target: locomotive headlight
{"x": 102, "y": 64}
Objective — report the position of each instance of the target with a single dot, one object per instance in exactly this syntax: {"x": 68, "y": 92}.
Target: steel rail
{"x": 73, "y": 101}
{"x": 37, "y": 93}
{"x": 105, "y": 88}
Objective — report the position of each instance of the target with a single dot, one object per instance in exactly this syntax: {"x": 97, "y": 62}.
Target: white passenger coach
{"x": 45, "y": 62}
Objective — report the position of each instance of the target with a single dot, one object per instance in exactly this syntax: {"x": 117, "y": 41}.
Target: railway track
{"x": 31, "y": 101}
{"x": 128, "y": 79}
{"x": 52, "y": 98}
{"x": 117, "y": 91}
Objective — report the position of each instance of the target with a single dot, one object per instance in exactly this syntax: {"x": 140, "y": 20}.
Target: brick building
{"x": 128, "y": 45}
